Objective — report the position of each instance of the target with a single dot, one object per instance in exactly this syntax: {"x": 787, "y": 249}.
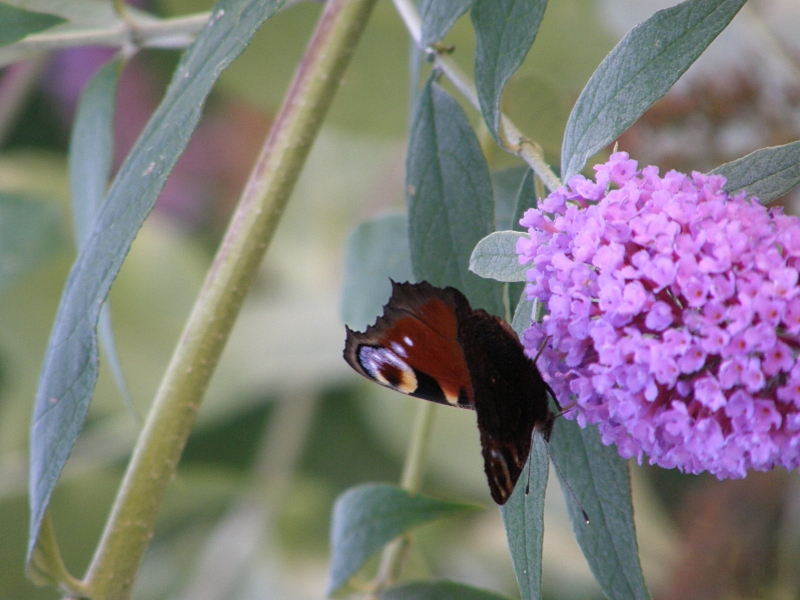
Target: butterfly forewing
{"x": 413, "y": 348}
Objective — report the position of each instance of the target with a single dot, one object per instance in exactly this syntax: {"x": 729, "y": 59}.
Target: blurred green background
{"x": 286, "y": 426}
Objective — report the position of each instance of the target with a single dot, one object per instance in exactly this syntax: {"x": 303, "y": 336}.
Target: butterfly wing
{"x": 413, "y": 348}
{"x": 510, "y": 398}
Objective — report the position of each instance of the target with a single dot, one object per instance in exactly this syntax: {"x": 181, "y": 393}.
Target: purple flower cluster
{"x": 672, "y": 317}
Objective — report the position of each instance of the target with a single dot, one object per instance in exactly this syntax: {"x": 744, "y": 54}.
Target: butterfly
{"x": 431, "y": 344}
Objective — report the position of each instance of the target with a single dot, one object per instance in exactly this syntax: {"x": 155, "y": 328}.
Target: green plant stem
{"x": 158, "y": 449}
{"x": 132, "y": 32}
{"x": 414, "y": 467}
{"x": 413, "y": 472}
{"x": 516, "y": 142}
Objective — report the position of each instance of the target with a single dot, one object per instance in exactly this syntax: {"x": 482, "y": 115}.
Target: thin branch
{"x": 517, "y": 143}
{"x": 131, "y": 29}
{"x": 394, "y": 554}
{"x": 129, "y": 34}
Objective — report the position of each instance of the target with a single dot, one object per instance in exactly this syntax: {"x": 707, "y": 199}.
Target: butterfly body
{"x": 431, "y": 344}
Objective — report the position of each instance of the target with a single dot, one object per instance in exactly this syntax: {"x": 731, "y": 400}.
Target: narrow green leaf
{"x": 30, "y": 233}
{"x": 523, "y": 519}
{"x": 438, "y": 16}
{"x": 449, "y": 194}
{"x": 376, "y": 252}
{"x": 506, "y": 188}
{"x": 522, "y": 315}
{"x": 16, "y": 23}
{"x": 526, "y": 197}
{"x": 90, "y": 158}
{"x": 439, "y": 590}
{"x": 367, "y": 517}
{"x": 495, "y": 257}
{"x": 105, "y": 332}
{"x": 767, "y": 173}
{"x": 639, "y": 71}
{"x": 601, "y": 481}
{"x": 504, "y": 32}
{"x": 69, "y": 372}
{"x": 92, "y": 149}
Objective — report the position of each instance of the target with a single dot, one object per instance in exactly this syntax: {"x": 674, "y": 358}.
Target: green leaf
{"x": 504, "y": 32}
{"x": 90, "y": 158}
{"x": 639, "y": 71}
{"x": 92, "y": 149}
{"x": 438, "y": 16}
{"x": 496, "y": 257}
{"x": 105, "y": 332}
{"x": 506, "y": 187}
{"x": 69, "y": 372}
{"x": 522, "y": 315}
{"x": 527, "y": 197}
{"x": 523, "y": 519}
{"x": 376, "y": 252}
{"x": 16, "y": 23}
{"x": 767, "y": 173}
{"x": 439, "y": 590}
{"x": 30, "y": 233}
{"x": 601, "y": 481}
{"x": 449, "y": 194}
{"x": 367, "y": 517}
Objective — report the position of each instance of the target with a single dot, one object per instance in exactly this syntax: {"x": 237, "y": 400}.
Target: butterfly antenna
{"x": 541, "y": 349}
{"x": 566, "y": 483}
{"x": 566, "y": 410}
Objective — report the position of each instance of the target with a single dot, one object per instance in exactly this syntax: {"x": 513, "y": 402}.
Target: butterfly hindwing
{"x": 510, "y": 398}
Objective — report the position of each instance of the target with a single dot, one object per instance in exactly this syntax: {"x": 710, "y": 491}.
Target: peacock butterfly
{"x": 431, "y": 344}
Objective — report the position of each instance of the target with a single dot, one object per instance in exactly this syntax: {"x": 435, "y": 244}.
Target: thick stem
{"x": 157, "y": 452}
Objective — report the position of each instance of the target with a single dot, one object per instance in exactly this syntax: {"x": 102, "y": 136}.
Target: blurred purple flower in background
{"x": 673, "y": 312}
{"x": 205, "y": 184}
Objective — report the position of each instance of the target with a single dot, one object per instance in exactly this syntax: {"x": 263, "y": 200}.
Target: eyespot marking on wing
{"x": 387, "y": 368}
